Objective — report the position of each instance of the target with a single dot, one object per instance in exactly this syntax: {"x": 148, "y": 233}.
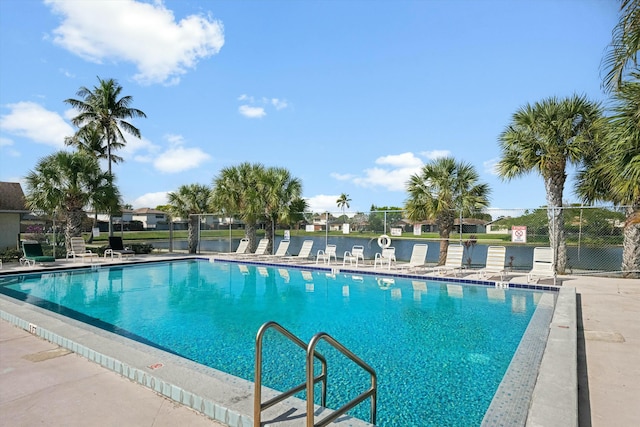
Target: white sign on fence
{"x": 345, "y": 228}
{"x": 519, "y": 234}
{"x": 309, "y": 228}
{"x": 396, "y": 231}
{"x": 417, "y": 229}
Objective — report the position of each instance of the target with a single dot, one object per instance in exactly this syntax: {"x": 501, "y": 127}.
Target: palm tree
{"x": 623, "y": 50}
{"x": 278, "y": 189}
{"x": 104, "y": 109}
{"x": 236, "y": 191}
{"x": 343, "y": 201}
{"x": 67, "y": 182}
{"x": 90, "y": 139}
{"x": 544, "y": 137}
{"x": 612, "y": 174}
{"x": 297, "y": 211}
{"x": 188, "y": 202}
{"x": 443, "y": 188}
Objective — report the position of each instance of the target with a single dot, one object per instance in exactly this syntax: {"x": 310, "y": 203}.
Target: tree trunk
{"x": 74, "y": 224}
{"x": 194, "y": 221}
{"x": 269, "y": 234}
{"x": 445, "y": 222}
{"x": 631, "y": 244}
{"x": 555, "y": 186}
{"x": 250, "y": 233}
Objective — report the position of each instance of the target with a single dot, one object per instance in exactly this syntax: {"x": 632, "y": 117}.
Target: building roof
{"x": 145, "y": 211}
{"x": 12, "y": 198}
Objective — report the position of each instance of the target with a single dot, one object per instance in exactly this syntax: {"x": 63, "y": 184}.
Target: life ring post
{"x": 384, "y": 241}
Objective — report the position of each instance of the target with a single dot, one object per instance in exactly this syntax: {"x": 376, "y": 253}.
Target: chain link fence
{"x": 593, "y": 236}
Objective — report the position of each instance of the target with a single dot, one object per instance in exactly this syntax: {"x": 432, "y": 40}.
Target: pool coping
{"x": 97, "y": 345}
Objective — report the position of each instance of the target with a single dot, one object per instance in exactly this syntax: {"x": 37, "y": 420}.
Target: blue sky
{"x": 351, "y": 96}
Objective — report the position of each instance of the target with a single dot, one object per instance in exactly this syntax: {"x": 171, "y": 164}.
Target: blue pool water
{"x": 439, "y": 349}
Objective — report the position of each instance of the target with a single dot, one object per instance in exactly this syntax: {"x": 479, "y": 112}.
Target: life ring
{"x": 384, "y": 241}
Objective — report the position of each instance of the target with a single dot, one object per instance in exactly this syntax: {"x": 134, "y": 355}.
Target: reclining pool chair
{"x": 116, "y": 247}
{"x": 32, "y": 254}
{"x": 79, "y": 250}
{"x": 453, "y": 262}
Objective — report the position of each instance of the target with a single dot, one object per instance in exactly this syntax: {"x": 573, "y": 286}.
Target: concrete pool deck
{"x": 69, "y": 386}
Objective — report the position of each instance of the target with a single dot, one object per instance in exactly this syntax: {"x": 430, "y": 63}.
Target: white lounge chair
{"x": 281, "y": 252}
{"x": 495, "y": 263}
{"x": 261, "y": 249}
{"x": 388, "y": 256}
{"x": 453, "y": 262}
{"x": 242, "y": 246}
{"x": 326, "y": 254}
{"x": 356, "y": 253}
{"x": 304, "y": 254}
{"x": 79, "y": 250}
{"x": 418, "y": 257}
{"x": 543, "y": 265}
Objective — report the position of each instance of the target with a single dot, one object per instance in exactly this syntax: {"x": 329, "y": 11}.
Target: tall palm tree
{"x": 188, "y": 202}
{"x": 343, "y": 202}
{"x": 622, "y": 54}
{"x": 544, "y": 137}
{"x": 104, "y": 109}
{"x": 612, "y": 174}
{"x": 443, "y": 188}
{"x": 278, "y": 189}
{"x": 90, "y": 139}
{"x": 236, "y": 191}
{"x": 67, "y": 182}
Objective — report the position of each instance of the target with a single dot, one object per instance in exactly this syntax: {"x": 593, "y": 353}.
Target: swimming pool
{"x": 440, "y": 349}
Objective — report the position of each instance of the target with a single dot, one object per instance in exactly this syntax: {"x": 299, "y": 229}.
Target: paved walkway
{"x": 608, "y": 351}
{"x": 42, "y": 384}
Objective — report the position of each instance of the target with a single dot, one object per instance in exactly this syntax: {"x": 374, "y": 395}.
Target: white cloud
{"x": 253, "y": 108}
{"x": 145, "y": 34}
{"x": 33, "y": 121}
{"x": 150, "y": 200}
{"x": 392, "y": 173}
{"x": 140, "y": 149}
{"x": 279, "y": 104}
{"x": 435, "y": 154}
{"x": 6, "y": 145}
{"x": 323, "y": 203}
{"x": 252, "y": 112}
{"x": 491, "y": 166}
{"x": 404, "y": 160}
{"x": 179, "y": 159}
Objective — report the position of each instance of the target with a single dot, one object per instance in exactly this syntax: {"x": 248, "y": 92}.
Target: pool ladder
{"x": 311, "y": 378}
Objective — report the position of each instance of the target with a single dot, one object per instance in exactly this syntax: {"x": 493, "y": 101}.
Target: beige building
{"x": 12, "y": 207}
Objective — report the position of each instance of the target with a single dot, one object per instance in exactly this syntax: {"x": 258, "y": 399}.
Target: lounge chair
{"x": 261, "y": 249}
{"x": 304, "y": 254}
{"x": 79, "y": 250}
{"x": 32, "y": 254}
{"x": 543, "y": 265}
{"x": 281, "y": 252}
{"x": 453, "y": 262}
{"x": 495, "y": 263}
{"x": 388, "y": 256}
{"x": 418, "y": 257}
{"x": 116, "y": 247}
{"x": 356, "y": 253}
{"x": 326, "y": 254}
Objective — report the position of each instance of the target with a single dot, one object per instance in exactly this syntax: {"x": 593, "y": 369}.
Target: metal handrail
{"x": 371, "y": 392}
{"x": 258, "y": 406}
